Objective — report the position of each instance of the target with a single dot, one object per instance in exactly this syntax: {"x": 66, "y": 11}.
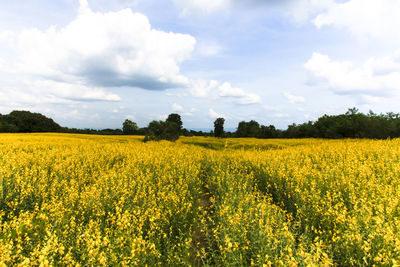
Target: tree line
{"x": 352, "y": 124}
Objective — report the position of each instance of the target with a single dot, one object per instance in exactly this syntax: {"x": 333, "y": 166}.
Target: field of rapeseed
{"x": 114, "y": 200}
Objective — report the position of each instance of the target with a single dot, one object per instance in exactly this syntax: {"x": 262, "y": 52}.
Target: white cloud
{"x": 202, "y": 7}
{"x": 301, "y": 10}
{"x": 77, "y": 92}
{"x": 384, "y": 65}
{"x": 83, "y": 6}
{"x": 7, "y": 37}
{"x": 106, "y": 49}
{"x": 377, "y": 77}
{"x": 213, "y": 114}
{"x": 14, "y": 97}
{"x": 52, "y": 92}
{"x": 237, "y": 95}
{"x": 177, "y": 108}
{"x": 293, "y": 99}
{"x": 201, "y": 88}
{"x": 364, "y": 18}
{"x": 7, "y": 43}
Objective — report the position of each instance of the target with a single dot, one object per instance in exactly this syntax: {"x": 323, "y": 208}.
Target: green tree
{"x": 253, "y": 129}
{"x": 248, "y": 129}
{"x": 241, "y": 129}
{"x": 28, "y": 122}
{"x": 219, "y": 127}
{"x": 129, "y": 127}
{"x": 175, "y": 118}
{"x": 6, "y": 127}
{"x": 171, "y": 131}
{"x": 268, "y": 131}
{"x": 163, "y": 130}
{"x": 155, "y": 130}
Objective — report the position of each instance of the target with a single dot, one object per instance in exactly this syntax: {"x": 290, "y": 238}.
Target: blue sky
{"x": 96, "y": 63}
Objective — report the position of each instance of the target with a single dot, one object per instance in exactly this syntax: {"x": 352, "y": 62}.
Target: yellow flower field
{"x": 113, "y": 200}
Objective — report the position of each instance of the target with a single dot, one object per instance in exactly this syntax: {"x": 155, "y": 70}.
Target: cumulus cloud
{"x": 106, "y": 49}
{"x": 365, "y": 18}
{"x": 293, "y": 99}
{"x": 237, "y": 95}
{"x": 201, "y": 88}
{"x": 51, "y": 92}
{"x": 77, "y": 92}
{"x": 377, "y": 76}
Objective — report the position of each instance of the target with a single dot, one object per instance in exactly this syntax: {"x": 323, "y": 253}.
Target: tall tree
{"x": 175, "y": 118}
{"x": 241, "y": 129}
{"x": 219, "y": 127}
{"x": 129, "y": 127}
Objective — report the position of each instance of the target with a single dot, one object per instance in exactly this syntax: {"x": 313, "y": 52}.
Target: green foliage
{"x": 352, "y": 124}
{"x": 175, "y": 118}
{"x": 129, "y": 127}
{"x": 268, "y": 132}
{"x": 27, "y": 122}
{"x": 164, "y": 130}
{"x": 92, "y": 131}
{"x": 6, "y": 127}
{"x": 219, "y": 127}
{"x": 248, "y": 129}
